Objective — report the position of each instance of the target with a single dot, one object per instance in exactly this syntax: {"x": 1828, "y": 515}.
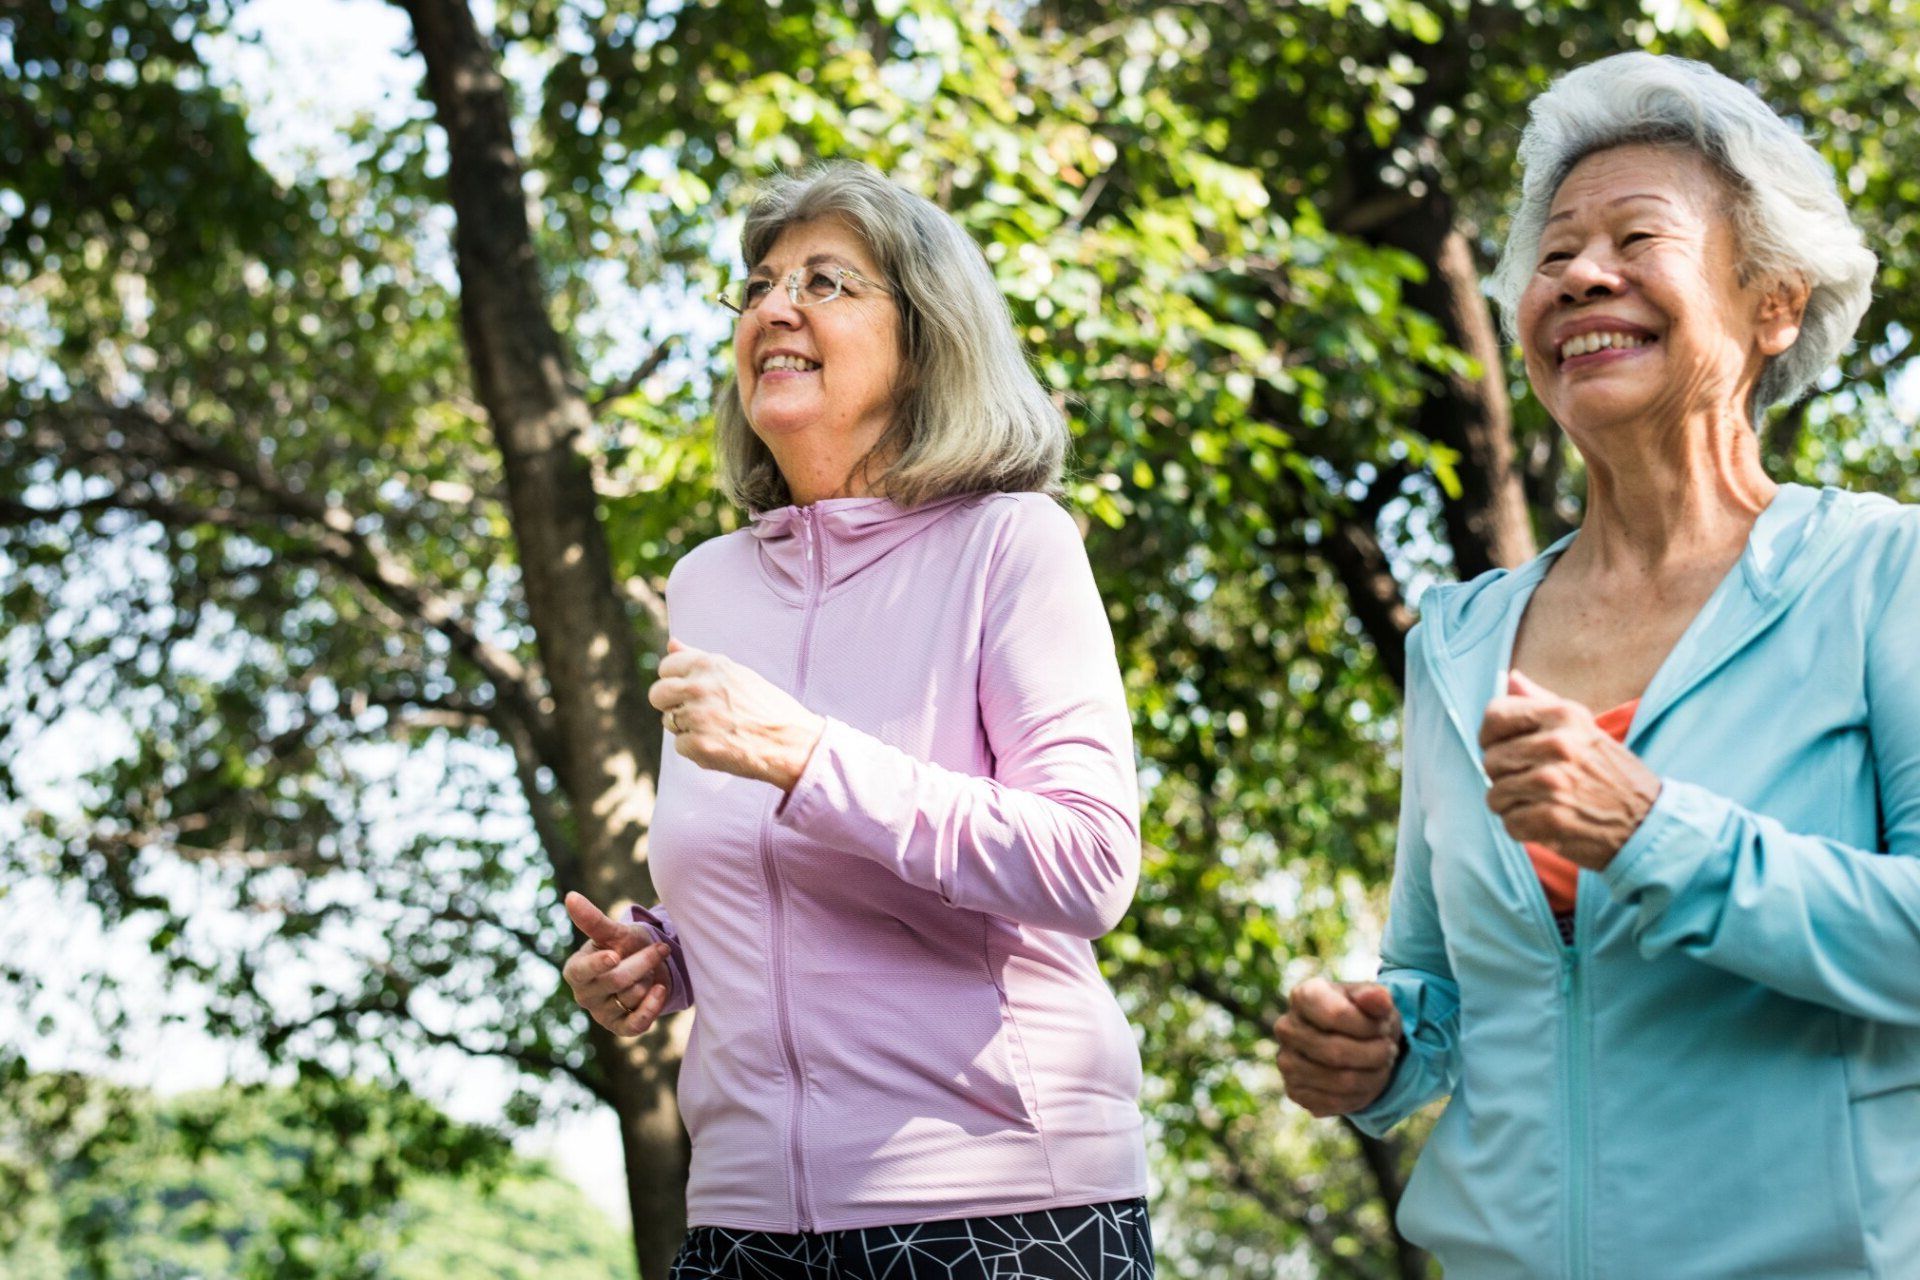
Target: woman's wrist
{"x": 801, "y": 739}
{"x": 1639, "y": 789}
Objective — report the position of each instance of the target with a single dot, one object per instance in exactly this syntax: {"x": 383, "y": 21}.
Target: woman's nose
{"x": 778, "y": 307}
{"x": 1589, "y": 275}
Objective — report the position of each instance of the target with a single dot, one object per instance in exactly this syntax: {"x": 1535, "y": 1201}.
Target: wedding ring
{"x": 623, "y": 1006}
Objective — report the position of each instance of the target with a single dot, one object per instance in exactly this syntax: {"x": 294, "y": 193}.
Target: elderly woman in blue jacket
{"x": 1655, "y": 919}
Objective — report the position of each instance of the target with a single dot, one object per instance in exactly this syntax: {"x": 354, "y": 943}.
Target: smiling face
{"x": 818, "y": 383}
{"x": 1636, "y": 311}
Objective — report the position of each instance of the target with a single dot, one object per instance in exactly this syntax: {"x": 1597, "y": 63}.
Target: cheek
{"x": 1532, "y": 306}
{"x": 1539, "y": 374}
{"x": 892, "y": 368}
{"x": 879, "y": 367}
{"x": 743, "y": 360}
{"x": 1536, "y": 349}
{"x": 1530, "y": 323}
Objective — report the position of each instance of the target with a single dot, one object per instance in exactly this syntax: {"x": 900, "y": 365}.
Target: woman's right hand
{"x": 1339, "y": 1044}
{"x": 620, "y": 975}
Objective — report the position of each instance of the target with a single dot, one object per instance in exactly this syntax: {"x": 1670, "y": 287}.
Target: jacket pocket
{"x": 1886, "y": 1178}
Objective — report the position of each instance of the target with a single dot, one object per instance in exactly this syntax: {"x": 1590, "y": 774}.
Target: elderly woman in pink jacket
{"x": 902, "y": 799}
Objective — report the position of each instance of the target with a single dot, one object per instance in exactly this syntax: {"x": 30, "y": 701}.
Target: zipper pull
{"x": 1566, "y": 971}
{"x": 816, "y": 551}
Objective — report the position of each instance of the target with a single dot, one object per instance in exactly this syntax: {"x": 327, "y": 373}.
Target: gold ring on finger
{"x": 623, "y": 1005}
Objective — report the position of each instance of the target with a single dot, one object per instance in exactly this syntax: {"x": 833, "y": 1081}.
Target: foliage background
{"x": 319, "y": 1179}
{"x": 293, "y": 440}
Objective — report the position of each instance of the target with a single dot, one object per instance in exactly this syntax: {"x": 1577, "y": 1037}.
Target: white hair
{"x": 1786, "y": 211}
{"x": 969, "y": 414}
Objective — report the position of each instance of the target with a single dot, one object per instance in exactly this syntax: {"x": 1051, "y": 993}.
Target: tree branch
{"x": 339, "y": 538}
{"x": 331, "y": 530}
{"x": 1384, "y": 489}
{"x": 396, "y": 1002}
{"x": 1326, "y": 1243}
{"x": 232, "y": 853}
{"x": 1353, "y": 548}
{"x": 548, "y": 825}
{"x": 1782, "y": 434}
{"x": 1351, "y": 545}
{"x": 461, "y": 913}
{"x": 1383, "y": 1166}
{"x": 1203, "y": 984}
{"x": 622, "y": 387}
{"x": 538, "y": 1063}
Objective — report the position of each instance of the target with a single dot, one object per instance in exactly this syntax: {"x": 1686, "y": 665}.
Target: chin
{"x": 1607, "y": 398}
{"x": 1597, "y": 416}
{"x": 781, "y": 420}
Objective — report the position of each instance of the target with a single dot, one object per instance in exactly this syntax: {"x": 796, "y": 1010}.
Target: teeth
{"x": 788, "y": 362}
{"x": 1587, "y": 343}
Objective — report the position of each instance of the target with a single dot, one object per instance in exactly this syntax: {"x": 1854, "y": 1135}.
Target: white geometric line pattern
{"x": 1096, "y": 1242}
{"x": 720, "y": 1253}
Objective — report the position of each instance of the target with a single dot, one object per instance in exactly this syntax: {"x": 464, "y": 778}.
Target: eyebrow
{"x": 813, "y": 260}
{"x": 1617, "y": 200}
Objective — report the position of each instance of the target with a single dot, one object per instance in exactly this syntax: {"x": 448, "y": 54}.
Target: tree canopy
{"x": 347, "y": 492}
{"x": 325, "y": 1178}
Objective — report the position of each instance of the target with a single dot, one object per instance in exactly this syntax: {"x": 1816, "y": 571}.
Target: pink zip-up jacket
{"x": 898, "y": 1013}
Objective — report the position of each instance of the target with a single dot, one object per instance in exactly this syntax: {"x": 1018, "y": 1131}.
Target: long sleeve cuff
{"x": 662, "y": 931}
{"x": 1681, "y": 834}
{"x": 1429, "y": 1019}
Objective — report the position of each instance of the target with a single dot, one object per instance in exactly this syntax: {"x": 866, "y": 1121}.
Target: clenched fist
{"x": 620, "y": 974}
{"x": 1339, "y": 1043}
{"x": 725, "y": 716}
{"x": 1559, "y": 779}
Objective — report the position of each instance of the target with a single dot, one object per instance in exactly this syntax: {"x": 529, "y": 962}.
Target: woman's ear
{"x": 1783, "y": 306}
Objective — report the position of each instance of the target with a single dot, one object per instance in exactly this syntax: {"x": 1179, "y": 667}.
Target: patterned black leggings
{"x": 1097, "y": 1242}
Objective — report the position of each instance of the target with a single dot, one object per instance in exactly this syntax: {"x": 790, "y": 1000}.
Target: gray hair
{"x": 969, "y": 413}
{"x": 1787, "y": 211}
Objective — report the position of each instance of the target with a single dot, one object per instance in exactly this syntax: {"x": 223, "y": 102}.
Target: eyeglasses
{"x": 806, "y": 287}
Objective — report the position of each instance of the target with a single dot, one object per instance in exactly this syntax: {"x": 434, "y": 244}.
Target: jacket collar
{"x": 824, "y": 544}
{"x": 1471, "y": 626}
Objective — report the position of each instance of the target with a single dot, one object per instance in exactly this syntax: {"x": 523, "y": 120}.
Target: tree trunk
{"x": 604, "y": 748}
{"x": 1373, "y": 593}
{"x": 652, "y": 1138}
{"x": 1410, "y": 1260}
{"x": 1487, "y": 522}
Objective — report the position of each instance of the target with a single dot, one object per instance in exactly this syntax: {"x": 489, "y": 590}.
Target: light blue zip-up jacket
{"x": 1720, "y": 1078}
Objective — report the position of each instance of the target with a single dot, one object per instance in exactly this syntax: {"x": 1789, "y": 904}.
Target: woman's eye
{"x": 1633, "y": 236}
{"x": 823, "y": 284}
{"x": 1558, "y": 255}
{"x": 757, "y": 289}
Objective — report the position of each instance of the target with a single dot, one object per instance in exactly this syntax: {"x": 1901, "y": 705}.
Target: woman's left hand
{"x": 1560, "y": 780}
{"x": 724, "y": 716}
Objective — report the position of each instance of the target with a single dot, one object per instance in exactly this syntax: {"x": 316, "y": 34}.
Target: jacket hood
{"x": 834, "y": 540}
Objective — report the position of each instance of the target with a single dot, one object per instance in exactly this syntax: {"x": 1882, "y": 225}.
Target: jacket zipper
{"x": 1573, "y": 992}
{"x": 783, "y": 1014}
{"x": 1574, "y": 1043}
{"x": 1573, "y": 1001}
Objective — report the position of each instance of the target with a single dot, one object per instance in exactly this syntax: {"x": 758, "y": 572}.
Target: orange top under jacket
{"x": 1559, "y": 877}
